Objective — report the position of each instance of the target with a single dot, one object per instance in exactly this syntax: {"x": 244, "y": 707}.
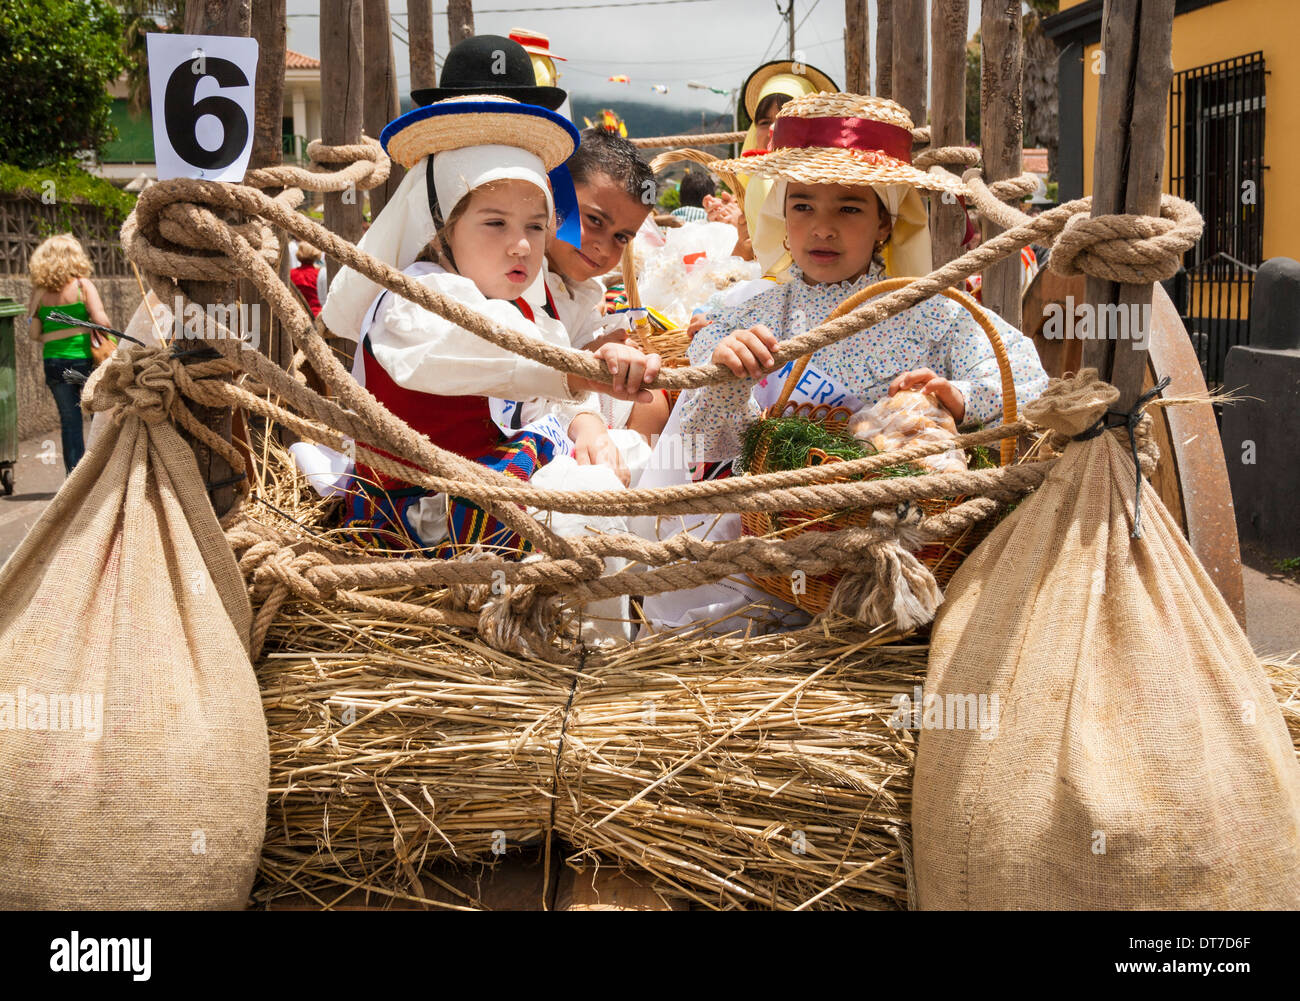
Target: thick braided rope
{"x": 704, "y": 139}
{"x": 1163, "y": 257}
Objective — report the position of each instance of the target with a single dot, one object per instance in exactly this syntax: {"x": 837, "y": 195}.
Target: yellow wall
{"x": 1223, "y": 31}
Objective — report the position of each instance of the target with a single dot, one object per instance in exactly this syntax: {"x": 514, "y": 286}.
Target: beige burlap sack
{"x": 133, "y": 750}
{"x": 1137, "y": 757}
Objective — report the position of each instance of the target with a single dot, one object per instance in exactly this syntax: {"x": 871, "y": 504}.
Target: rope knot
{"x": 1073, "y": 404}
{"x": 1131, "y": 249}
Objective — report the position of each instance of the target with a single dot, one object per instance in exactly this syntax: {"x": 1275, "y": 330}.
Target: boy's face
{"x": 610, "y": 218}
{"x": 833, "y": 229}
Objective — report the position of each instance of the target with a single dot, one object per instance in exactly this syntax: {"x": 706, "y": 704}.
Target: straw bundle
{"x": 741, "y": 773}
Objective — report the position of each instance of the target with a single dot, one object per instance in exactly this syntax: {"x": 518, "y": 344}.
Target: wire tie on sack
{"x": 1129, "y": 419}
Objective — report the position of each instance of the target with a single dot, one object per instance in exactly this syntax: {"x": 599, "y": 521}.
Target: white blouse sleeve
{"x": 975, "y": 371}
{"x": 713, "y": 418}
{"x": 427, "y": 353}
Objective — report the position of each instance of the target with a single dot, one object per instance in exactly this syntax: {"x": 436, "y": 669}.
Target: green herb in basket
{"x": 790, "y": 439}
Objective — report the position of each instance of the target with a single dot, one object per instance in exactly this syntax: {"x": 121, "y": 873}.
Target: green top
{"x": 76, "y": 346}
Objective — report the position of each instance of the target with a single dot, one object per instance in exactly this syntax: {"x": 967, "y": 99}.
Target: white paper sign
{"x": 202, "y": 90}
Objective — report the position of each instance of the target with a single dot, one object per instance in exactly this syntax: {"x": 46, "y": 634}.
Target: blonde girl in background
{"x": 60, "y": 275}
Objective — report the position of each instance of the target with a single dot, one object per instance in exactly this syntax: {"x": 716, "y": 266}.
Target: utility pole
{"x": 789, "y": 14}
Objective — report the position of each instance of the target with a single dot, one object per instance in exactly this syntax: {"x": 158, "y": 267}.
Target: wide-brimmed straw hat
{"x": 459, "y": 122}
{"x": 843, "y": 139}
{"x": 752, "y": 91}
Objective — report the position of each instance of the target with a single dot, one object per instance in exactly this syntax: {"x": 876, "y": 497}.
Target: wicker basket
{"x": 941, "y": 557}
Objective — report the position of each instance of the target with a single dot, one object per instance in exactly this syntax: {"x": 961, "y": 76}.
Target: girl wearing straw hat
{"x": 766, "y": 91}
{"x": 841, "y": 189}
{"x": 490, "y": 213}
{"x": 845, "y": 191}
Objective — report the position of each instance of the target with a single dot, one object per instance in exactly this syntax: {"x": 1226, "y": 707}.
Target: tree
{"x": 1039, "y": 81}
{"x": 140, "y": 18}
{"x": 57, "y": 58}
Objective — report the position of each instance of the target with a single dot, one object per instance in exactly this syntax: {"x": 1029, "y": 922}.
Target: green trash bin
{"x": 8, "y": 393}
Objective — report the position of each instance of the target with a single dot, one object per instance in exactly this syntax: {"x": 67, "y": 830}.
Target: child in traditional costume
{"x": 843, "y": 191}
{"x": 615, "y": 190}
{"x": 481, "y": 209}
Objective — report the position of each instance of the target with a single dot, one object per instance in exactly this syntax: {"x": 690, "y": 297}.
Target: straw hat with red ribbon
{"x": 846, "y": 139}
{"x": 843, "y": 139}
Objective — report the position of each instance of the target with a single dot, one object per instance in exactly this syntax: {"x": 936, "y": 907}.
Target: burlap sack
{"x": 125, "y": 595}
{"x": 1138, "y": 758}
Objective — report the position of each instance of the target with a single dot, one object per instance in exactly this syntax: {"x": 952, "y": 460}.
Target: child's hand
{"x": 618, "y": 335}
{"x": 593, "y": 446}
{"x": 631, "y": 370}
{"x": 746, "y": 352}
{"x": 722, "y": 208}
{"x": 698, "y": 322}
{"x": 922, "y": 380}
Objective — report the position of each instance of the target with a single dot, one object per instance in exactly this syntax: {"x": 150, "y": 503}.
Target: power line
{"x": 808, "y": 15}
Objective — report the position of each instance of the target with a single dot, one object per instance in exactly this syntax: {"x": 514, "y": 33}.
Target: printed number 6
{"x": 183, "y": 114}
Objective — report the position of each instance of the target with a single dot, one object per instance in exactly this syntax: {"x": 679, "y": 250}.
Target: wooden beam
{"x": 381, "y": 102}
{"x": 419, "y": 19}
{"x": 215, "y": 17}
{"x": 910, "y": 37}
{"x": 460, "y": 20}
{"x": 857, "y": 51}
{"x": 1001, "y": 132}
{"x": 884, "y": 48}
{"x": 1136, "y": 70}
{"x": 269, "y": 28}
{"x": 341, "y": 40}
{"x": 948, "y": 20}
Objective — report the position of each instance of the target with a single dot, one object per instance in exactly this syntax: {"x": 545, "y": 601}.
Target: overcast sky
{"x": 716, "y": 42}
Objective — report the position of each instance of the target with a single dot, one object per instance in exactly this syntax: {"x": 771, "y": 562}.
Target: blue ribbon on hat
{"x": 567, "y": 218}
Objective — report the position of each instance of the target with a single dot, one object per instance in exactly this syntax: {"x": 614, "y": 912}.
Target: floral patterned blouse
{"x": 937, "y": 334}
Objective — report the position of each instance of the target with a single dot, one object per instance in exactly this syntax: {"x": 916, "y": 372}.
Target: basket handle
{"x": 1009, "y": 408}
{"x": 640, "y": 328}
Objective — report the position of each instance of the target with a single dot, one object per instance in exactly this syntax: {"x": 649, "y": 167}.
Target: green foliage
{"x": 57, "y": 58}
{"x": 66, "y": 185}
{"x": 670, "y": 199}
{"x": 140, "y": 18}
{"x": 790, "y": 439}
{"x": 1290, "y": 564}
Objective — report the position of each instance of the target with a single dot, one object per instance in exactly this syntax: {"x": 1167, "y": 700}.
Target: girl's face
{"x": 499, "y": 239}
{"x": 610, "y": 218}
{"x": 765, "y": 116}
{"x": 833, "y": 230}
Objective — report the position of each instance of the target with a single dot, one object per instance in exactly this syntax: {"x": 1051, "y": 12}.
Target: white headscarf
{"x": 907, "y": 254}
{"x": 401, "y": 232}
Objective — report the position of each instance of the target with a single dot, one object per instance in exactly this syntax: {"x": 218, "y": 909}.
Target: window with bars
{"x": 1216, "y": 160}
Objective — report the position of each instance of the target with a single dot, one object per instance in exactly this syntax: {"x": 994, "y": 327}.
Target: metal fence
{"x": 25, "y": 221}
{"x": 1216, "y": 160}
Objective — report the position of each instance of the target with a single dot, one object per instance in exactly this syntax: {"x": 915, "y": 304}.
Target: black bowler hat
{"x": 490, "y": 64}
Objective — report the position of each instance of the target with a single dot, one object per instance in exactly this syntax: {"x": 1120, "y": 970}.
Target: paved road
{"x": 1272, "y": 600}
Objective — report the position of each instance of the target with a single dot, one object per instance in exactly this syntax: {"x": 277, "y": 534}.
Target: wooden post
{"x": 381, "y": 102}
{"x": 214, "y": 17}
{"x": 1001, "y": 126}
{"x": 268, "y": 27}
{"x": 460, "y": 20}
{"x": 341, "y": 42}
{"x": 857, "y": 51}
{"x": 948, "y": 20}
{"x": 910, "y": 37}
{"x": 1127, "y": 170}
{"x": 884, "y": 48}
{"x": 419, "y": 19}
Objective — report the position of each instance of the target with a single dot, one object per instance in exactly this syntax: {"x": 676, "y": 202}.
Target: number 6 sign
{"x": 202, "y": 90}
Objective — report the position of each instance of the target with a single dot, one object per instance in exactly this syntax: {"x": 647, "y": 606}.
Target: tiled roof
{"x": 297, "y": 61}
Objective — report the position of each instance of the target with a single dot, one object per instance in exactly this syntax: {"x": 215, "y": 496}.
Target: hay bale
{"x": 759, "y": 773}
